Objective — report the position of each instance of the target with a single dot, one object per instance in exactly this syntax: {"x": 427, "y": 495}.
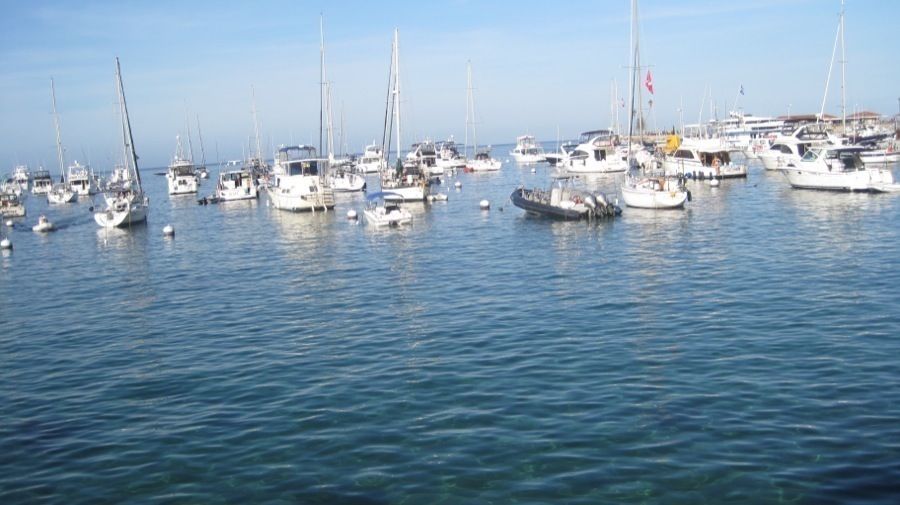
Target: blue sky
{"x": 539, "y": 67}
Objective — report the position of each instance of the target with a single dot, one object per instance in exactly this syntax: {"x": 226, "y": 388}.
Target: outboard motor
{"x": 590, "y": 202}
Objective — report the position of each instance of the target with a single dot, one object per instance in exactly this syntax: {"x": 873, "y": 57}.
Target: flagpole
{"x": 736, "y": 95}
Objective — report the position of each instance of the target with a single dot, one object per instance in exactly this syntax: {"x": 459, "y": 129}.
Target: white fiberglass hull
{"x": 491, "y": 165}
{"x": 380, "y": 217}
{"x": 653, "y": 194}
{"x": 674, "y": 168}
{"x": 777, "y": 161}
{"x": 859, "y": 180}
{"x": 346, "y": 182}
{"x": 528, "y": 158}
{"x": 414, "y": 193}
{"x": 228, "y": 195}
{"x": 120, "y": 215}
{"x": 61, "y": 197}
{"x": 183, "y": 185}
{"x": 296, "y": 200}
{"x": 590, "y": 166}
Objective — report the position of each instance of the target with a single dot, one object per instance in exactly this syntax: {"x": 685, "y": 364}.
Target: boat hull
{"x": 242, "y": 193}
{"x": 183, "y": 185}
{"x": 536, "y": 202}
{"x": 644, "y": 194}
{"x": 859, "y": 180}
{"x": 135, "y": 213}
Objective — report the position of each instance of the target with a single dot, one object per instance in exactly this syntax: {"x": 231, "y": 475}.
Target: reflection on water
{"x": 474, "y": 356}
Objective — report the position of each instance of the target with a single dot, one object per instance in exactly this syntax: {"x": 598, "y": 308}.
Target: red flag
{"x": 649, "y": 82}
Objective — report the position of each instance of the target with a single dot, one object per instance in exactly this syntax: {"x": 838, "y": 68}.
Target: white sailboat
{"x": 640, "y": 189}
{"x": 482, "y": 160}
{"x": 255, "y": 163}
{"x": 338, "y": 176}
{"x": 407, "y": 180}
{"x": 129, "y": 205}
{"x": 59, "y": 193}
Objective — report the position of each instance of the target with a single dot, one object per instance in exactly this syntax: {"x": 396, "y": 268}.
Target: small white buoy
{"x": 485, "y": 205}
{"x": 533, "y": 170}
{"x": 9, "y": 223}
{"x": 351, "y": 215}
{"x": 714, "y": 183}
{"x": 458, "y": 184}
{"x": 168, "y": 231}
{"x": 441, "y": 197}
{"x": 507, "y": 160}
{"x": 5, "y": 243}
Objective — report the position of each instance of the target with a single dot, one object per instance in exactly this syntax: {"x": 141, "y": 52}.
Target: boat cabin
{"x": 704, "y": 158}
{"x": 298, "y": 160}
{"x": 837, "y": 160}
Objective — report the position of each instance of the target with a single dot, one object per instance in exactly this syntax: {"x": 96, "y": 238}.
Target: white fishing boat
{"x": 298, "y": 183}
{"x": 385, "y": 209}
{"x": 559, "y": 157}
{"x": 43, "y": 225}
{"x": 408, "y": 181}
{"x": 11, "y": 186}
{"x": 41, "y": 183}
{"x": 60, "y": 193}
{"x": 527, "y": 150}
{"x": 836, "y": 168}
{"x": 449, "y": 158}
{"x": 119, "y": 179}
{"x": 424, "y": 154}
{"x": 595, "y": 153}
{"x": 642, "y": 188}
{"x": 82, "y": 180}
{"x": 372, "y": 160}
{"x": 483, "y": 161}
{"x": 707, "y": 159}
{"x": 789, "y": 148}
{"x": 181, "y": 177}
{"x": 11, "y": 205}
{"x": 22, "y": 176}
{"x": 236, "y": 185}
{"x": 127, "y": 206}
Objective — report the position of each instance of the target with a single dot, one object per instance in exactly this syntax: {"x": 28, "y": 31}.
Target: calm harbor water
{"x": 743, "y": 350}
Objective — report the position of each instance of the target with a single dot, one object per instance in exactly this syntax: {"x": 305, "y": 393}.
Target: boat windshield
{"x": 811, "y": 155}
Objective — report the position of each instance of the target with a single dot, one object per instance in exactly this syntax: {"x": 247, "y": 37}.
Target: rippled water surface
{"x": 743, "y": 350}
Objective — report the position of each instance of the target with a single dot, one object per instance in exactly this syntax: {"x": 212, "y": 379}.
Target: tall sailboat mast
{"x": 256, "y": 126}
{"x": 631, "y": 80}
{"x": 130, "y": 153}
{"x": 202, "y": 152}
{"x": 470, "y": 108}
{"x": 59, "y": 148}
{"x": 187, "y": 125}
{"x": 397, "y": 86}
{"x": 838, "y": 38}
